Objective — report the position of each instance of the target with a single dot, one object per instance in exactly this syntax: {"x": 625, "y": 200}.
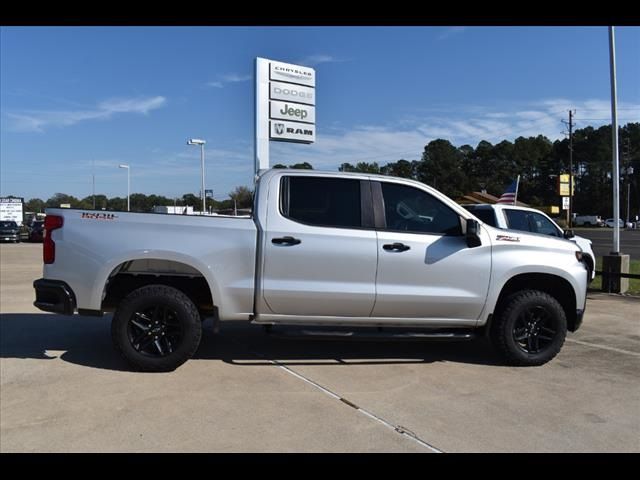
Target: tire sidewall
{"x": 144, "y": 298}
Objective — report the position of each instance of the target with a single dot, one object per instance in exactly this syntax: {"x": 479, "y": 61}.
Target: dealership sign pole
{"x": 285, "y": 99}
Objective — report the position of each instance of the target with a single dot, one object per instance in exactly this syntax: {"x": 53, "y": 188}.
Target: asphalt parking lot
{"x": 602, "y": 239}
{"x": 64, "y": 389}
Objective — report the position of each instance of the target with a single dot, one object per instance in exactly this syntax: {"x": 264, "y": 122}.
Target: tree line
{"x": 458, "y": 170}
{"x": 139, "y": 202}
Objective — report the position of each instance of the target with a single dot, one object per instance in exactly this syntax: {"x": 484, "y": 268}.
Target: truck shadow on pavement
{"x": 86, "y": 341}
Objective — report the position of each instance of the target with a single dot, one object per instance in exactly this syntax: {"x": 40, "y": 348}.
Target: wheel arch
{"x": 184, "y": 274}
{"x": 554, "y": 285}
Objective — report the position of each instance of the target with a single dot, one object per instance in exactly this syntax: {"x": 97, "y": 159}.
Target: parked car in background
{"x": 610, "y": 222}
{"x": 36, "y": 233}
{"x": 531, "y": 220}
{"x": 588, "y": 221}
{"x": 9, "y": 231}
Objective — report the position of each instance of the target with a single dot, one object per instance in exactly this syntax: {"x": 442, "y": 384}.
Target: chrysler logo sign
{"x": 285, "y": 72}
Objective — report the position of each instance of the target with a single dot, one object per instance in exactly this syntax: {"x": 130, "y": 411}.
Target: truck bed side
{"x": 93, "y": 246}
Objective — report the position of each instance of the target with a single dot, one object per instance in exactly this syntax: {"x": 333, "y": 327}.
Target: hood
{"x": 501, "y": 236}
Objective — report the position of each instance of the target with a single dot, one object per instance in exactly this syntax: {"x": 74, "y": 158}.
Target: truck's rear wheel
{"x": 156, "y": 328}
{"x": 530, "y": 328}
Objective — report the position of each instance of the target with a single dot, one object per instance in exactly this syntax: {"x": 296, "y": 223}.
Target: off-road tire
{"x": 184, "y": 316}
{"x": 511, "y": 322}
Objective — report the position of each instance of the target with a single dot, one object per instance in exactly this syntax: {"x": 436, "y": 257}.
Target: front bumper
{"x": 9, "y": 237}
{"x": 54, "y": 296}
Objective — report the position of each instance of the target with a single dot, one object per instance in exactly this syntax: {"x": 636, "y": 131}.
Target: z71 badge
{"x": 508, "y": 238}
{"x": 99, "y": 216}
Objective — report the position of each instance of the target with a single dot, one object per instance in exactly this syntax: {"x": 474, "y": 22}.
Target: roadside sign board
{"x": 563, "y": 185}
{"x": 296, "y": 74}
{"x": 285, "y": 109}
{"x": 294, "y": 112}
{"x": 565, "y": 203}
{"x": 292, "y": 93}
{"x": 11, "y": 209}
{"x": 208, "y": 193}
{"x": 292, "y": 131}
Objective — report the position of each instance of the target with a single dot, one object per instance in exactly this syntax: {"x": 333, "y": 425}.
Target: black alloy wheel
{"x": 155, "y": 331}
{"x": 535, "y": 329}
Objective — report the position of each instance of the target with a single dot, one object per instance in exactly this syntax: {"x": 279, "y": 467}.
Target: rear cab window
{"x": 322, "y": 201}
{"x": 487, "y": 215}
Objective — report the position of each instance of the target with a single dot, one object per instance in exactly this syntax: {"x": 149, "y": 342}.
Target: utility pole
{"x": 628, "y": 170}
{"x": 570, "y": 166}
{"x": 93, "y": 180}
{"x": 571, "y": 114}
{"x": 616, "y": 262}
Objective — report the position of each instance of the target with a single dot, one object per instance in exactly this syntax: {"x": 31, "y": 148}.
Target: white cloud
{"x": 317, "y": 59}
{"x": 39, "y": 120}
{"x": 228, "y": 78}
{"x": 235, "y": 78}
{"x": 449, "y": 32}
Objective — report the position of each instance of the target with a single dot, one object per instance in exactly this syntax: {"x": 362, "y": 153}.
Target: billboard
{"x": 285, "y": 106}
{"x": 11, "y": 209}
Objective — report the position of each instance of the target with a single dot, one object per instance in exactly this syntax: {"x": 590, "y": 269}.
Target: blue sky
{"x": 71, "y": 97}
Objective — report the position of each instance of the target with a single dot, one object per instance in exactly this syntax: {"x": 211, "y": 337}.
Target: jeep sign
{"x": 292, "y": 111}
{"x": 292, "y": 131}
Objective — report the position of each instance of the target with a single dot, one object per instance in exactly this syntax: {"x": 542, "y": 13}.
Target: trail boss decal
{"x": 99, "y": 216}
{"x": 508, "y": 238}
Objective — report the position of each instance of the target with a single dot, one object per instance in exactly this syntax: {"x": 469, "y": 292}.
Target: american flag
{"x": 511, "y": 193}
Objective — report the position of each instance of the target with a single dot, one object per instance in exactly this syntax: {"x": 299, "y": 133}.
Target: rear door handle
{"x": 396, "y": 247}
{"x": 286, "y": 241}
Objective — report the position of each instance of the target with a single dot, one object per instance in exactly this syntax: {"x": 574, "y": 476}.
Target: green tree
{"x": 302, "y": 166}
{"x": 35, "y": 205}
{"x": 61, "y": 198}
{"x": 441, "y": 167}
{"x": 401, "y": 168}
{"x": 243, "y": 197}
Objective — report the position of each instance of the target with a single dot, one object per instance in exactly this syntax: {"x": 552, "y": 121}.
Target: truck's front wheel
{"x": 530, "y": 328}
{"x": 156, "y": 328}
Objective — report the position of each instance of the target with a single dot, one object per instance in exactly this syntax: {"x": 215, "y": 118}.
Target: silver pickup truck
{"x": 322, "y": 249}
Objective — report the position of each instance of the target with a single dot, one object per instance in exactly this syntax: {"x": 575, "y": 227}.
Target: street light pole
{"x": 614, "y": 132}
{"x": 196, "y": 141}
{"x": 128, "y": 184}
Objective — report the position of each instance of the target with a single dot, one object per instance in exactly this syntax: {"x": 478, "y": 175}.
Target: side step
{"x": 380, "y": 334}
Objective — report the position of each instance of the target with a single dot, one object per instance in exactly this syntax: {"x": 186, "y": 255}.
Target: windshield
{"x": 8, "y": 225}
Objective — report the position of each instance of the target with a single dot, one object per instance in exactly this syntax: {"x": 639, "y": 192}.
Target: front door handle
{"x": 286, "y": 241}
{"x": 396, "y": 247}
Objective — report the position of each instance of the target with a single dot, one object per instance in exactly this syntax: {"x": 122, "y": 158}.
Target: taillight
{"x": 51, "y": 223}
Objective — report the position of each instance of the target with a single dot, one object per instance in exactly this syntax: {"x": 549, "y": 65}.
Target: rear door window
{"x": 322, "y": 201}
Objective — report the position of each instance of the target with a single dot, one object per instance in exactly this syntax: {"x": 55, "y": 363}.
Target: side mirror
{"x": 473, "y": 230}
{"x": 569, "y": 234}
